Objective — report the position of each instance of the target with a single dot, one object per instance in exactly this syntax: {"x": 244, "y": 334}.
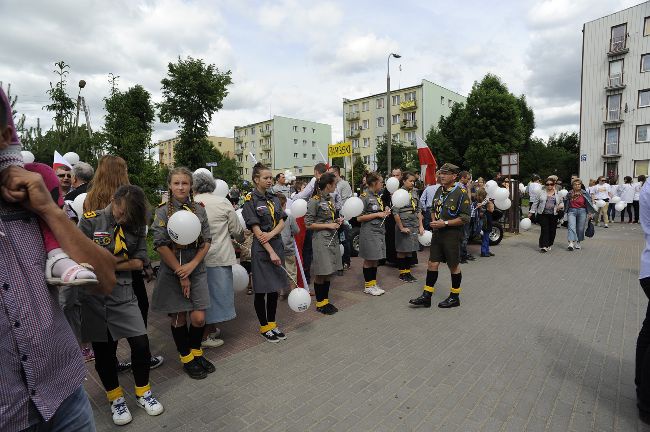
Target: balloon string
{"x": 334, "y": 236}
{"x": 290, "y": 277}
{"x": 241, "y": 245}
{"x": 384, "y": 219}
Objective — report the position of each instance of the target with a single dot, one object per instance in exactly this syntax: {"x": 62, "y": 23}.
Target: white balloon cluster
{"x": 501, "y": 196}
{"x": 288, "y": 176}
{"x": 72, "y": 158}
{"x": 299, "y": 208}
{"x": 620, "y": 205}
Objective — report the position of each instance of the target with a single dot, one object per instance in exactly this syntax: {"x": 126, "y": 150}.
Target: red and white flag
{"x": 59, "y": 161}
{"x": 428, "y": 163}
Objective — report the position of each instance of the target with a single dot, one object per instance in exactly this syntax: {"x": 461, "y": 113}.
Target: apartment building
{"x": 166, "y": 148}
{"x": 281, "y": 143}
{"x": 413, "y": 111}
{"x": 615, "y": 95}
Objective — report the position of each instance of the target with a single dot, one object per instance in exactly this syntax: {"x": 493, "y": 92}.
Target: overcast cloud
{"x": 301, "y": 58}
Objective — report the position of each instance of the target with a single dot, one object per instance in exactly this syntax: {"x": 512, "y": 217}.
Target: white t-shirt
{"x": 627, "y": 192}
{"x": 601, "y": 191}
{"x": 637, "y": 190}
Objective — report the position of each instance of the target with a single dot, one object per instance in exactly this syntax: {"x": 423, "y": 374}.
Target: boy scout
{"x": 450, "y": 211}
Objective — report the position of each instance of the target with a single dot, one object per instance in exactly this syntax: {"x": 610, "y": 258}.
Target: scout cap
{"x": 449, "y": 168}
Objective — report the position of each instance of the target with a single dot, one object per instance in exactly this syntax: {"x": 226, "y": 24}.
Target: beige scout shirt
{"x": 223, "y": 224}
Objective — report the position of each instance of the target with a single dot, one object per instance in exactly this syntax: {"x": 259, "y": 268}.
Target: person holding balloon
{"x": 181, "y": 235}
{"x": 290, "y": 229}
{"x": 579, "y": 208}
{"x": 450, "y": 212}
{"x": 224, "y": 224}
{"x": 321, "y": 220}
{"x": 546, "y": 205}
{"x": 485, "y": 208}
{"x": 120, "y": 228}
{"x": 264, "y": 216}
{"x": 372, "y": 244}
{"x": 408, "y": 225}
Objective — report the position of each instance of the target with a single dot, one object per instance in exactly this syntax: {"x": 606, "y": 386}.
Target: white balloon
{"x": 501, "y": 194}
{"x": 620, "y": 206}
{"x": 183, "y": 227}
{"x": 503, "y": 204}
{"x": 288, "y": 212}
{"x": 563, "y": 193}
{"x": 615, "y": 199}
{"x": 392, "y": 184}
{"x": 525, "y": 224}
{"x": 401, "y": 198}
{"x": 72, "y": 158}
{"x": 600, "y": 203}
{"x": 522, "y": 188}
{"x": 239, "y": 278}
{"x": 78, "y": 204}
{"x": 342, "y": 249}
{"x": 299, "y": 300}
{"x": 299, "y": 208}
{"x": 425, "y": 239}
{"x": 221, "y": 188}
{"x": 203, "y": 170}
{"x": 490, "y": 184}
{"x": 240, "y": 218}
{"x": 28, "y": 157}
{"x": 352, "y": 208}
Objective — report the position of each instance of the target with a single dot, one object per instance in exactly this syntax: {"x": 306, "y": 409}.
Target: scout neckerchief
{"x": 441, "y": 202}
{"x": 381, "y": 204}
{"x": 331, "y": 206}
{"x": 271, "y": 206}
{"x": 120, "y": 242}
{"x": 413, "y": 203}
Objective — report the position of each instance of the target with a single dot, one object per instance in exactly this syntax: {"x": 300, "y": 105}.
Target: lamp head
{"x": 396, "y": 55}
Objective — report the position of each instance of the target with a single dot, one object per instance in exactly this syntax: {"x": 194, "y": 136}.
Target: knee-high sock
{"x": 403, "y": 264}
{"x": 432, "y": 277}
{"x": 195, "y": 337}
{"x": 260, "y": 308}
{"x": 271, "y": 306}
{"x": 182, "y": 341}
{"x": 368, "y": 277}
{"x": 455, "y": 284}
{"x": 106, "y": 367}
{"x": 373, "y": 272}
{"x": 140, "y": 362}
{"x": 319, "y": 291}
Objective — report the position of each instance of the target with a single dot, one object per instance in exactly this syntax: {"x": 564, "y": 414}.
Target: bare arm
{"x": 130, "y": 265}
{"x": 267, "y": 247}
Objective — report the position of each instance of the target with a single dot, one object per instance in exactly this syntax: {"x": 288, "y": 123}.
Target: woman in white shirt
{"x": 637, "y": 193}
{"x": 601, "y": 191}
{"x": 626, "y": 192}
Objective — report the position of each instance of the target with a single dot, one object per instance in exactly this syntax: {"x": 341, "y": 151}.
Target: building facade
{"x": 615, "y": 95}
{"x": 414, "y": 110}
{"x": 225, "y": 145}
{"x": 281, "y": 143}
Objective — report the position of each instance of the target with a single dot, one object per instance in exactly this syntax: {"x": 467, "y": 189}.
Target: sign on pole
{"x": 510, "y": 164}
{"x": 339, "y": 150}
{"x": 211, "y": 164}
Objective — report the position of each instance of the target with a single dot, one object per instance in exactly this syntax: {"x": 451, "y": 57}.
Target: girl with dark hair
{"x": 321, "y": 220}
{"x": 120, "y": 228}
{"x": 264, "y": 216}
{"x": 627, "y": 195}
{"x": 372, "y": 245}
{"x": 408, "y": 224}
{"x": 182, "y": 284}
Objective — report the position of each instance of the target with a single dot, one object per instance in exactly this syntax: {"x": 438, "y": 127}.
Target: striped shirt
{"x": 40, "y": 358}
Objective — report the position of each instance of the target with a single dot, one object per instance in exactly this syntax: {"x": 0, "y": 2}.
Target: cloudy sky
{"x": 301, "y": 58}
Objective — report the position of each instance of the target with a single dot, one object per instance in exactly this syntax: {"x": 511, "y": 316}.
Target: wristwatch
{"x": 446, "y": 223}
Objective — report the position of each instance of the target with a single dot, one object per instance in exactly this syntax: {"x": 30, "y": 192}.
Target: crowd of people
{"x": 98, "y": 259}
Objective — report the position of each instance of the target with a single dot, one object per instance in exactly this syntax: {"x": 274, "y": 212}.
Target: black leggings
{"x": 140, "y": 293}
{"x": 106, "y": 361}
{"x": 629, "y": 212}
{"x": 635, "y": 204}
{"x": 548, "y": 224}
{"x": 265, "y": 309}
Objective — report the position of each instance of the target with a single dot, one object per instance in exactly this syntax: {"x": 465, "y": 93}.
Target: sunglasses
{"x": 549, "y": 184}
{"x": 64, "y": 175}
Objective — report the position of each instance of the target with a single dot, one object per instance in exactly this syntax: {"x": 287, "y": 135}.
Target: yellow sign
{"x": 339, "y": 150}
{"x": 407, "y": 105}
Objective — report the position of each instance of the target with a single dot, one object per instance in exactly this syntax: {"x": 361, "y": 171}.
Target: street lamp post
{"x": 388, "y": 117}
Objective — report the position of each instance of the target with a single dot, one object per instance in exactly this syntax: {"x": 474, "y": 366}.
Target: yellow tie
{"x": 271, "y": 207}
{"x": 120, "y": 242}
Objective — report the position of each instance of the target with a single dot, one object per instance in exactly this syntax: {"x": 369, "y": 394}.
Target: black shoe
{"x": 487, "y": 255}
{"x": 407, "y": 277}
{"x": 424, "y": 300}
{"x": 471, "y": 257}
{"x": 270, "y": 337}
{"x": 328, "y": 309}
{"x": 339, "y": 272}
{"x": 155, "y": 361}
{"x": 194, "y": 369}
{"x": 449, "y": 302}
{"x": 123, "y": 366}
{"x": 490, "y": 253}
{"x": 205, "y": 364}
{"x": 463, "y": 260}
{"x": 278, "y": 333}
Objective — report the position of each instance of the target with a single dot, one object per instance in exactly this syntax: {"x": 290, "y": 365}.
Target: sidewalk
{"x": 540, "y": 342}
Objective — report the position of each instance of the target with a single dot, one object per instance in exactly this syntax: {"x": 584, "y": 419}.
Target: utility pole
{"x": 388, "y": 117}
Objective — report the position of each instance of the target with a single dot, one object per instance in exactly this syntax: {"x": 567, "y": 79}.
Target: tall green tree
{"x": 192, "y": 93}
{"x": 61, "y": 104}
{"x": 358, "y": 169}
{"x": 403, "y": 156}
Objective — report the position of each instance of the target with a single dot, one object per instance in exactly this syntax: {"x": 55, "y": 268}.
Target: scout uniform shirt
{"x": 168, "y": 294}
{"x": 409, "y": 217}
{"x": 265, "y": 210}
{"x": 119, "y": 311}
{"x": 327, "y": 253}
{"x": 372, "y": 245}
{"x": 448, "y": 205}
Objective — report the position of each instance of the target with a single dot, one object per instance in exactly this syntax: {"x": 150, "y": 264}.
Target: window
{"x": 614, "y": 107}
{"x": 615, "y": 73}
{"x": 396, "y": 137}
{"x": 366, "y": 142}
{"x": 642, "y": 134}
{"x": 646, "y": 26}
{"x": 380, "y": 122}
{"x": 611, "y": 169}
{"x": 442, "y": 100}
{"x": 366, "y": 160}
{"x": 395, "y": 99}
{"x": 449, "y": 103}
{"x": 304, "y": 155}
{"x": 409, "y": 116}
{"x": 252, "y": 131}
{"x": 380, "y": 103}
{"x": 410, "y": 136}
{"x": 365, "y": 106}
{"x": 645, "y": 63}
{"x": 261, "y": 141}
{"x": 355, "y": 143}
{"x": 395, "y": 118}
{"x": 295, "y": 142}
{"x": 644, "y": 98}
{"x": 313, "y": 143}
{"x": 611, "y": 140}
{"x": 304, "y": 142}
{"x": 245, "y": 132}
{"x": 295, "y": 155}
{"x": 295, "y": 128}
{"x": 410, "y": 96}
{"x": 365, "y": 124}
{"x": 354, "y": 125}
{"x": 619, "y": 34}
{"x": 313, "y": 156}
{"x": 304, "y": 130}
{"x": 641, "y": 167}
{"x": 354, "y": 108}
{"x": 313, "y": 130}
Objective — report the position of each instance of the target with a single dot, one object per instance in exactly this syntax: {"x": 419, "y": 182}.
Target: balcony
{"x": 352, "y": 133}
{"x": 239, "y": 150}
{"x": 614, "y": 116}
{"x": 611, "y": 155}
{"x": 615, "y": 82}
{"x": 352, "y": 116}
{"x": 266, "y": 133}
{"x": 618, "y": 46}
{"x": 409, "y": 124}
{"x": 408, "y": 105}
{"x": 266, "y": 147}
{"x": 239, "y": 139}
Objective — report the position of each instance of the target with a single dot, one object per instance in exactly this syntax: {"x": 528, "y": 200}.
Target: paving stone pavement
{"x": 541, "y": 342}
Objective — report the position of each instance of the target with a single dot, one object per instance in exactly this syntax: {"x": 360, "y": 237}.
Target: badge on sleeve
{"x": 102, "y": 238}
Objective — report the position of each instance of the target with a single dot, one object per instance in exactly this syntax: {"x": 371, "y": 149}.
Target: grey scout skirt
{"x": 267, "y": 277}
{"x": 407, "y": 242}
{"x": 327, "y": 256}
{"x": 372, "y": 242}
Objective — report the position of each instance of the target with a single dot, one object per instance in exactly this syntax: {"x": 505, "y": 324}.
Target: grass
{"x": 153, "y": 255}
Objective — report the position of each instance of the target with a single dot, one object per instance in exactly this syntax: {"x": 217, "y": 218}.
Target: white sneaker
{"x": 211, "y": 342}
{"x": 378, "y": 288}
{"x": 121, "y": 413}
{"x": 570, "y": 247}
{"x": 372, "y": 291}
{"x": 548, "y": 248}
{"x": 543, "y": 250}
{"x": 150, "y": 404}
{"x": 578, "y": 245}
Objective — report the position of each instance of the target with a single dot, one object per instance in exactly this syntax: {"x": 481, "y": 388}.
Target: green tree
{"x": 403, "y": 156}
{"x": 448, "y": 142}
{"x": 62, "y": 105}
{"x": 359, "y": 169}
{"x": 192, "y": 93}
